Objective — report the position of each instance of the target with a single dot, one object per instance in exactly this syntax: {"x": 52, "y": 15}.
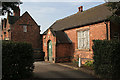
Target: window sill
{"x": 82, "y": 49}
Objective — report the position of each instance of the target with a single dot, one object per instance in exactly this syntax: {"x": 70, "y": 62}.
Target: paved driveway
{"x": 51, "y": 70}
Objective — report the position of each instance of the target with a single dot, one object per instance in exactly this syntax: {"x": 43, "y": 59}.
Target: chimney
{"x": 80, "y": 9}
{"x": 16, "y": 11}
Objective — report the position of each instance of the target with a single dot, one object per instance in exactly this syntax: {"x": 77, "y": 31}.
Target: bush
{"x": 89, "y": 63}
{"x": 17, "y": 60}
{"x": 75, "y": 60}
{"x": 107, "y": 58}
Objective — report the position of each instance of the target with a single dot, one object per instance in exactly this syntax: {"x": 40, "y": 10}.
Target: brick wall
{"x": 33, "y": 31}
{"x": 96, "y": 31}
{"x": 46, "y": 38}
{"x": 63, "y": 53}
{"x": 60, "y": 51}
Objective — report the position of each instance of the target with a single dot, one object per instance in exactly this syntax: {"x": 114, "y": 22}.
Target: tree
{"x": 115, "y": 8}
{"x": 8, "y": 6}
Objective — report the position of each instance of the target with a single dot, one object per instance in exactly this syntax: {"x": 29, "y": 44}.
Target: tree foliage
{"x": 8, "y": 6}
{"x": 115, "y": 7}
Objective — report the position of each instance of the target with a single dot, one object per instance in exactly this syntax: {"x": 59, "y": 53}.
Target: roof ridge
{"x": 80, "y": 12}
{"x": 86, "y": 17}
{"x": 26, "y": 12}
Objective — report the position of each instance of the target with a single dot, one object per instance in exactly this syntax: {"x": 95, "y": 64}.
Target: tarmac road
{"x": 52, "y": 70}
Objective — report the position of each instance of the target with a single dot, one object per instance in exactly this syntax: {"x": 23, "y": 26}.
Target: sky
{"x": 46, "y": 12}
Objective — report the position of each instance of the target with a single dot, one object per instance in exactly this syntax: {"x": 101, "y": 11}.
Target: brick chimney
{"x": 16, "y": 11}
{"x": 80, "y": 9}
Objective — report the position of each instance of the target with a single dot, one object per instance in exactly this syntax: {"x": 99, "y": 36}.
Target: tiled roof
{"x": 93, "y": 15}
{"x": 62, "y": 37}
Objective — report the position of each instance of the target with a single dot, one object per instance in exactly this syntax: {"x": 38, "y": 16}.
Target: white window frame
{"x": 83, "y": 39}
{"x": 25, "y": 28}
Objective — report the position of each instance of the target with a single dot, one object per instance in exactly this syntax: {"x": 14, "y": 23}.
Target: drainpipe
{"x": 106, "y": 30}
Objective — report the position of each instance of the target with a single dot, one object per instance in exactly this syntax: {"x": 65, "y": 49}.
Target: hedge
{"x": 106, "y": 58}
{"x": 17, "y": 60}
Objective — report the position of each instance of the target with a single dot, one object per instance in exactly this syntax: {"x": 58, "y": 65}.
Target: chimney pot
{"x": 80, "y": 9}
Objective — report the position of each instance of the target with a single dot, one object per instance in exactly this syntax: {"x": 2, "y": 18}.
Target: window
{"x": 83, "y": 39}
{"x": 25, "y": 28}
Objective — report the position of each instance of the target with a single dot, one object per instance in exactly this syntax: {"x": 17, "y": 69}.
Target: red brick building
{"x": 21, "y": 29}
{"x": 72, "y": 36}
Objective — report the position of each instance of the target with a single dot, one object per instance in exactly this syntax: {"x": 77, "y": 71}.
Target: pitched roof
{"x": 95, "y": 14}
{"x": 62, "y": 37}
{"x": 13, "y": 19}
{"x": 30, "y": 17}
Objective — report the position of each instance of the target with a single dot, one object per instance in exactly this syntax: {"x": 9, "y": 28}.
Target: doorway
{"x": 49, "y": 50}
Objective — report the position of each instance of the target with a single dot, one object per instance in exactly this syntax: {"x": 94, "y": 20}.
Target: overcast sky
{"x": 46, "y": 12}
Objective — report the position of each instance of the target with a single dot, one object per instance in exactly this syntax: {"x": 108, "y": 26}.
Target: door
{"x": 50, "y": 51}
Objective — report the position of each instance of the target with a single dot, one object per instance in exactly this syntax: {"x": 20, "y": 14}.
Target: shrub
{"x": 89, "y": 63}
{"x": 106, "y": 58}
{"x": 75, "y": 60}
{"x": 17, "y": 60}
